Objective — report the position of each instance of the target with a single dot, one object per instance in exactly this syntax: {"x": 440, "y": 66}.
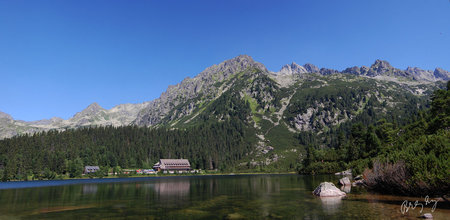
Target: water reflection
{"x": 198, "y": 197}
{"x": 331, "y": 204}
{"x": 179, "y": 188}
{"x": 90, "y": 188}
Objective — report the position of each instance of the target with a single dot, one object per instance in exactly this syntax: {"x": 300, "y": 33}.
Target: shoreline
{"x": 111, "y": 179}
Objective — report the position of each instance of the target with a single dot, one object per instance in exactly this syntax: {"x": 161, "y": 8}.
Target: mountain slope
{"x": 268, "y": 94}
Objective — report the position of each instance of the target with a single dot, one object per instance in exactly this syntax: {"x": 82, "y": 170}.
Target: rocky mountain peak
{"x": 92, "y": 109}
{"x": 381, "y": 66}
{"x": 353, "y": 70}
{"x": 189, "y": 88}
{"x": 311, "y": 68}
{"x": 4, "y": 115}
{"x": 442, "y": 74}
{"x": 292, "y": 68}
{"x": 232, "y": 66}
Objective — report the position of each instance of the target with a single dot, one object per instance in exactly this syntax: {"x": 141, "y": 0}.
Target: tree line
{"x": 46, "y": 154}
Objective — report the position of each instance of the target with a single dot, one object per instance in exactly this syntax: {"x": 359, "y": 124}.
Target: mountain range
{"x": 297, "y": 98}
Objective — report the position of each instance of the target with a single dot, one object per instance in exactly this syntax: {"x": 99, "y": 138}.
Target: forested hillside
{"x": 208, "y": 146}
{"x": 237, "y": 116}
{"x": 413, "y": 159}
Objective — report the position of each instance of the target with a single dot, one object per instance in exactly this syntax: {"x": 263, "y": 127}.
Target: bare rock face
{"x": 441, "y": 74}
{"x": 327, "y": 189}
{"x": 380, "y": 67}
{"x": 5, "y": 116}
{"x": 291, "y": 69}
{"x": 353, "y": 70}
{"x": 92, "y": 109}
{"x": 326, "y": 71}
{"x": 311, "y": 68}
{"x": 420, "y": 74}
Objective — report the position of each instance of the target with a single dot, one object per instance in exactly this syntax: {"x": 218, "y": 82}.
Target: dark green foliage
{"x": 424, "y": 149}
{"x": 208, "y": 146}
{"x": 413, "y": 159}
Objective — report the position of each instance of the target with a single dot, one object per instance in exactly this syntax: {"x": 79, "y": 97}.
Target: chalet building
{"x": 91, "y": 169}
{"x": 179, "y": 165}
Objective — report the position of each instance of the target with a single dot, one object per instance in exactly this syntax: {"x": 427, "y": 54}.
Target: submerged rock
{"x": 327, "y": 189}
{"x": 345, "y": 181}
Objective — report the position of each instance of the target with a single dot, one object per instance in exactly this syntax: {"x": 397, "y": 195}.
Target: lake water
{"x": 198, "y": 197}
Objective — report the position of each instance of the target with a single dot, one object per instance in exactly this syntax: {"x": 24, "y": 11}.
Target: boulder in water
{"x": 327, "y": 189}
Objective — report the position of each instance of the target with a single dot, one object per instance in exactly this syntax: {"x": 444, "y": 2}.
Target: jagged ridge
{"x": 188, "y": 98}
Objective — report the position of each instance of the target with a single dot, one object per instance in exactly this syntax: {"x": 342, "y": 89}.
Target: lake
{"x": 199, "y": 197}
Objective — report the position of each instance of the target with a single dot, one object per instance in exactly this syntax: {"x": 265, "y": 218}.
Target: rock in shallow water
{"x": 327, "y": 189}
{"x": 345, "y": 181}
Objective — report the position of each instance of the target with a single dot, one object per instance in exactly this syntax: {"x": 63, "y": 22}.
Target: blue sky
{"x": 57, "y": 57}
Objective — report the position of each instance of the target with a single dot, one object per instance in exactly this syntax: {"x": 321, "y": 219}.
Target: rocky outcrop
{"x": 92, "y": 109}
{"x": 5, "y": 116}
{"x": 384, "y": 68}
{"x": 327, "y": 189}
{"x": 441, "y": 74}
{"x": 380, "y": 67}
{"x": 326, "y": 71}
{"x": 420, "y": 74}
{"x": 293, "y": 68}
{"x": 345, "y": 181}
{"x": 353, "y": 70}
{"x": 311, "y": 68}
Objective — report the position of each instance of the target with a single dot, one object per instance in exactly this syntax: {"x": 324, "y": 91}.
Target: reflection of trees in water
{"x": 90, "y": 188}
{"x": 238, "y": 185}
